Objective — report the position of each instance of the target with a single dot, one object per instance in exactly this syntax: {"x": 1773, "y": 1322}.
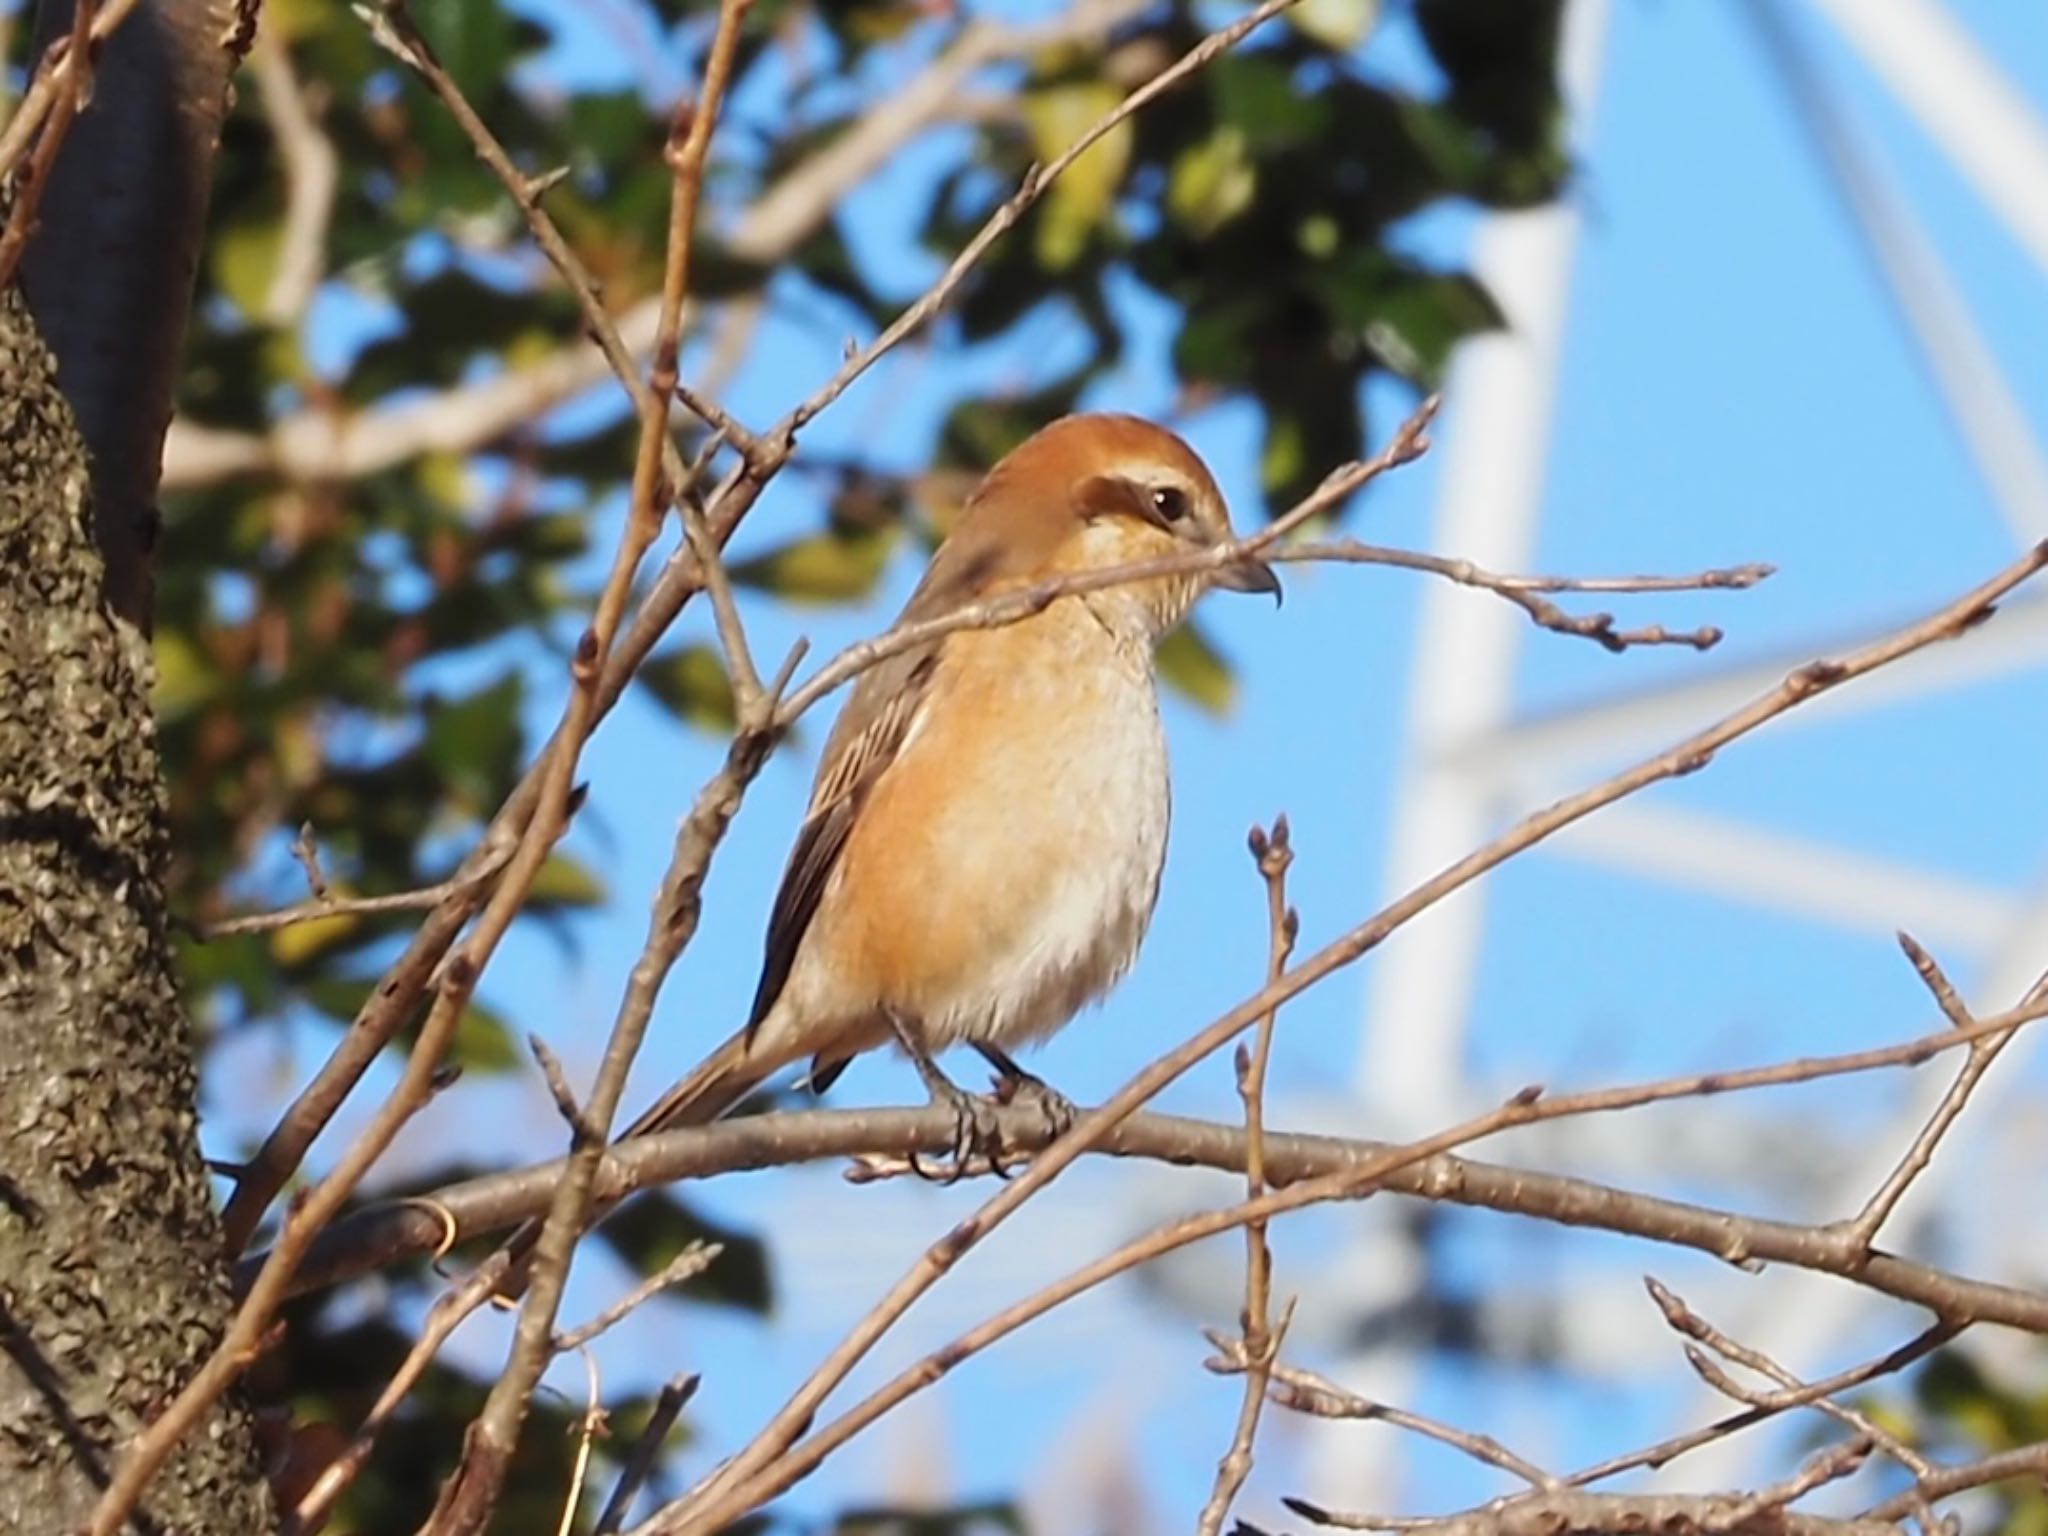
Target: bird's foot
{"x": 1013, "y": 1085}
{"x": 977, "y": 1137}
{"x": 977, "y": 1134}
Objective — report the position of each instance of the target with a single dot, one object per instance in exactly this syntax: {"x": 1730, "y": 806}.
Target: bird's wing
{"x": 869, "y": 733}
{"x": 975, "y": 559}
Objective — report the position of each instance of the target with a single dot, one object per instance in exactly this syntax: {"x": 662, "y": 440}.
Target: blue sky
{"x": 1734, "y": 388}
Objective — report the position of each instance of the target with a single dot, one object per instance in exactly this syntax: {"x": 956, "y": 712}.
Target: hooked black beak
{"x": 1251, "y": 574}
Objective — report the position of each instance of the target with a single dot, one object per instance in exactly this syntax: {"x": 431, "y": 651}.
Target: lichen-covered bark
{"x": 112, "y": 1288}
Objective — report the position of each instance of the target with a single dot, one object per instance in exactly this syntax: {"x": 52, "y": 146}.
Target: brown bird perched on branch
{"x": 983, "y": 844}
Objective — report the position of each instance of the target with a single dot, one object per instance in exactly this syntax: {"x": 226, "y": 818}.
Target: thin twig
{"x": 471, "y": 1491}
{"x": 1863, "y": 1229}
{"x": 1034, "y": 184}
{"x": 587, "y": 1431}
{"x": 392, "y": 27}
{"x": 775, "y": 1459}
{"x": 685, "y": 1266}
{"x": 668, "y": 1405}
{"x": 581, "y": 1131}
{"x": 447, "y": 1314}
{"x": 67, "y": 63}
{"x": 1764, "y": 1513}
{"x": 1770, "y": 1405}
{"x": 1307, "y": 1392}
{"x": 54, "y": 76}
{"x": 465, "y": 880}
{"x": 458, "y": 977}
{"x": 1689, "y": 1323}
{"x": 1522, "y": 590}
{"x": 2022, "y": 1461}
{"x": 307, "y": 852}
{"x": 1259, "y": 1342}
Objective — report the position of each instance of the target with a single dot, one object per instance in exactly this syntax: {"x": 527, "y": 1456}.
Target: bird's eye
{"x": 1170, "y": 502}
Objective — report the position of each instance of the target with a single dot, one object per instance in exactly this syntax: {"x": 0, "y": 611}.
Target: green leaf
{"x": 1212, "y": 183}
{"x": 656, "y": 1226}
{"x": 1086, "y": 190}
{"x": 691, "y": 685}
{"x": 1257, "y": 94}
{"x": 304, "y": 942}
{"x": 563, "y": 882}
{"x": 1340, "y": 25}
{"x": 1195, "y": 669}
{"x": 184, "y": 677}
{"x": 484, "y": 1043}
{"x": 245, "y": 260}
{"x": 473, "y": 39}
{"x": 1284, "y": 458}
{"x": 1412, "y": 319}
{"x": 833, "y": 567}
{"x": 474, "y": 742}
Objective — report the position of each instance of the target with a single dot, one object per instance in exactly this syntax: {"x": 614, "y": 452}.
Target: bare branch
{"x": 587, "y": 1431}
{"x": 667, "y": 1406}
{"x": 685, "y": 1266}
{"x": 383, "y": 1235}
{"x": 326, "y": 904}
{"x": 314, "y": 445}
{"x": 1522, "y": 590}
{"x": 470, "y": 1494}
{"x": 443, "y": 1318}
{"x": 1307, "y": 1392}
{"x": 1690, "y": 1324}
{"x": 1259, "y": 1343}
{"x": 1637, "y": 1514}
{"x": 1983, "y": 1052}
{"x": 1770, "y": 1405}
{"x": 775, "y": 1458}
{"x": 2023, "y": 1461}
{"x": 70, "y": 95}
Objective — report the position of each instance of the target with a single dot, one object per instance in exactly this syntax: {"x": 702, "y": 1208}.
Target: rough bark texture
{"x": 109, "y": 272}
{"x": 112, "y": 1288}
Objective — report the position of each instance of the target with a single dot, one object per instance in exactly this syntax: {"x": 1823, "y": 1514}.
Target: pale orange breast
{"x": 1006, "y": 866}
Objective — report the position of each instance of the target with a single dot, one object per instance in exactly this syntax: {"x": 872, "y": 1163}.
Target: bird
{"x": 982, "y": 849}
{"x": 983, "y": 845}
{"x": 984, "y": 841}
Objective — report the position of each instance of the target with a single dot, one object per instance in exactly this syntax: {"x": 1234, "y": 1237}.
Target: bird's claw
{"x": 1013, "y": 1085}
{"x": 1027, "y": 1089}
{"x": 977, "y": 1137}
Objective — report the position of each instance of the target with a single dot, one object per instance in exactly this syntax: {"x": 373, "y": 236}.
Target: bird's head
{"x": 1094, "y": 491}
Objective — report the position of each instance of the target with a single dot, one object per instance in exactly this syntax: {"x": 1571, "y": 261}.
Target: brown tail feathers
{"x": 712, "y": 1087}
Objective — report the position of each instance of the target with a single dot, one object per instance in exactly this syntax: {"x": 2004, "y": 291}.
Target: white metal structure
{"x": 1472, "y": 763}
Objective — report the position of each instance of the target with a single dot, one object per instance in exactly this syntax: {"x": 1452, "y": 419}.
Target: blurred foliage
{"x": 356, "y": 655}
{"x": 1958, "y": 1412}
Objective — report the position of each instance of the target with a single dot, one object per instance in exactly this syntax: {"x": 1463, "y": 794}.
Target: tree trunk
{"x": 109, "y": 273}
{"x": 112, "y": 1286}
